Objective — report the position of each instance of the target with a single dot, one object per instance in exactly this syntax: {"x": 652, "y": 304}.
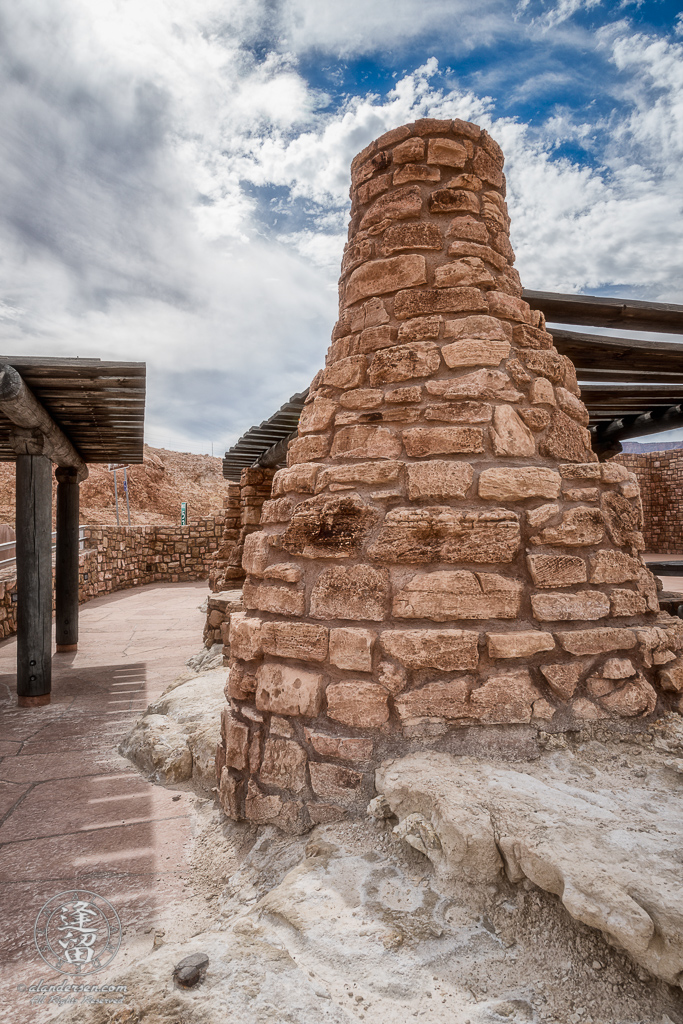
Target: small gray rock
{"x": 191, "y": 969}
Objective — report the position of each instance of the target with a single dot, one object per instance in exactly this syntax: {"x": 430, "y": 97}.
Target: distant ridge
{"x": 640, "y": 448}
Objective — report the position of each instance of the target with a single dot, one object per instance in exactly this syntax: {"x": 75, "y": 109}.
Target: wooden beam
{"x": 34, "y": 580}
{"x": 596, "y": 351}
{"x": 601, "y": 311}
{"x": 66, "y": 561}
{"x": 24, "y": 410}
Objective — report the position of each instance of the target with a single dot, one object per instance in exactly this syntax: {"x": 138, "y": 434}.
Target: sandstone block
{"x": 557, "y": 570}
{"x": 411, "y": 236}
{"x": 288, "y": 691}
{"x": 277, "y": 511}
{"x": 401, "y": 204}
{"x": 280, "y": 600}
{"x": 505, "y": 698}
{"x": 281, "y": 727}
{"x": 585, "y": 471}
{"x": 426, "y": 441}
{"x": 468, "y": 228}
{"x": 586, "y": 605}
{"x": 283, "y": 765}
{"x": 240, "y": 683}
{"x": 245, "y": 636}
{"x": 444, "y": 699}
{"x": 357, "y": 703}
{"x": 573, "y": 406}
{"x": 393, "y": 678}
{"x": 346, "y": 748}
{"x": 426, "y": 301}
{"x": 373, "y": 473}
{"x": 490, "y": 384}
{"x": 485, "y": 328}
{"x": 510, "y": 434}
{"x": 362, "y": 249}
{"x": 538, "y": 516}
{"x": 518, "y": 484}
{"x": 614, "y": 567}
{"x": 328, "y": 527}
{"x": 438, "y": 479}
{"x": 361, "y": 398}
{"x": 624, "y": 519}
{"x": 317, "y": 416}
{"x": 444, "y": 595}
{"x": 403, "y": 362}
{"x": 446, "y": 152}
{"x": 613, "y": 472}
{"x": 332, "y": 782}
{"x": 299, "y": 478}
{"x": 586, "y": 710}
{"x": 486, "y": 167}
{"x": 352, "y": 649}
{"x": 634, "y": 698}
{"x": 236, "y": 735}
{"x": 260, "y": 808}
{"x": 581, "y": 494}
{"x": 420, "y": 328}
{"x": 345, "y": 373}
{"x": 441, "y": 534}
{"x": 503, "y": 305}
{"x": 484, "y": 252}
{"x": 388, "y": 275}
{"x": 307, "y": 449}
{"x": 410, "y": 151}
{"x": 597, "y": 641}
{"x": 548, "y": 364}
{"x": 416, "y": 172}
{"x": 256, "y": 554}
{"x": 460, "y": 412}
{"x": 286, "y": 572}
{"x": 579, "y": 527}
{"x": 365, "y": 442}
{"x": 627, "y": 602}
{"x": 526, "y": 336}
{"x": 618, "y": 668}
{"x": 400, "y": 395}
{"x": 468, "y": 271}
{"x": 541, "y": 392}
{"x": 564, "y": 678}
{"x": 374, "y": 338}
{"x": 566, "y": 440}
{"x": 294, "y": 640}
{"x": 471, "y": 352}
{"x": 445, "y": 649}
{"x": 523, "y": 644}
{"x": 351, "y": 592}
{"x": 228, "y": 794}
{"x": 453, "y": 200}
{"x": 671, "y": 678}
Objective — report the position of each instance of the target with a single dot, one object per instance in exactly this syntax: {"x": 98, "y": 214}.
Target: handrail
{"x": 5, "y": 563}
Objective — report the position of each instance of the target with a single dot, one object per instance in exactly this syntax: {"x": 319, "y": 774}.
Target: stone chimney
{"x": 444, "y": 559}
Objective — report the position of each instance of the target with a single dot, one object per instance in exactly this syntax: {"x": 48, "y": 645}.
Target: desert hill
{"x": 156, "y": 489}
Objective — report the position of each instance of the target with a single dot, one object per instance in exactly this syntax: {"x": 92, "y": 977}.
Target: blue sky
{"x": 174, "y": 176}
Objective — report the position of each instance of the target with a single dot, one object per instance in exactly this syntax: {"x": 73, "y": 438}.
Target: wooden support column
{"x": 66, "y": 561}
{"x": 34, "y": 579}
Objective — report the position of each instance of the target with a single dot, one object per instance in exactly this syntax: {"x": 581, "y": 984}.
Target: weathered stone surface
{"x": 241, "y": 684}
{"x": 438, "y": 479}
{"x": 485, "y": 328}
{"x": 393, "y": 678}
{"x": 288, "y": 691}
{"x": 444, "y": 595}
{"x": 346, "y": 748}
{"x": 358, "y": 703}
{"x": 299, "y": 478}
{"x": 584, "y": 471}
{"x": 345, "y": 373}
{"x": 614, "y": 567}
{"x": 286, "y": 572}
{"x": 618, "y": 668}
{"x": 245, "y": 636}
{"x": 538, "y": 516}
{"x": 624, "y": 519}
{"x": 446, "y": 152}
{"x": 280, "y": 600}
{"x": 468, "y": 271}
{"x": 542, "y": 392}
{"x": 519, "y": 483}
{"x": 468, "y": 228}
{"x": 353, "y": 592}
{"x": 441, "y": 534}
{"x": 579, "y": 527}
{"x": 401, "y": 204}
{"x": 627, "y": 602}
{"x": 388, "y": 275}
{"x": 510, "y": 434}
{"x": 564, "y": 678}
{"x": 445, "y": 699}
{"x": 535, "y": 419}
{"x": 523, "y": 644}
{"x": 581, "y": 493}
{"x": 261, "y": 808}
{"x": 317, "y": 416}
{"x": 459, "y": 412}
{"x": 410, "y": 151}
{"x": 400, "y": 395}
{"x": 283, "y": 765}
{"x": 671, "y": 678}
{"x": 352, "y": 649}
{"x": 236, "y": 737}
{"x": 584, "y": 605}
{"x": 474, "y": 352}
{"x": 428, "y": 301}
{"x": 307, "y": 449}
{"x": 374, "y": 338}
{"x": 416, "y": 172}
{"x": 277, "y": 511}
{"x": 597, "y": 641}
{"x": 426, "y": 441}
{"x": 327, "y": 527}
{"x": 573, "y": 406}
{"x": 404, "y": 362}
{"x": 453, "y": 200}
{"x": 411, "y": 236}
{"x": 332, "y": 782}
{"x": 445, "y": 649}
{"x": 373, "y": 473}
{"x": 505, "y": 698}
{"x": 484, "y": 252}
{"x": 565, "y": 440}
{"x": 504, "y": 305}
{"x": 420, "y": 328}
{"x": 526, "y": 336}
{"x": 557, "y": 570}
{"x": 365, "y": 442}
{"x": 547, "y": 364}
{"x": 294, "y": 640}
{"x": 256, "y": 554}
{"x": 636, "y": 697}
{"x": 480, "y": 384}
{"x": 362, "y": 249}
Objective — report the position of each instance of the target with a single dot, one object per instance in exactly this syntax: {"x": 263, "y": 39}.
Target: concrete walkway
{"x": 73, "y": 813}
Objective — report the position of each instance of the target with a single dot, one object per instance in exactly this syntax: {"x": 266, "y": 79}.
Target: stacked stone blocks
{"x": 444, "y": 549}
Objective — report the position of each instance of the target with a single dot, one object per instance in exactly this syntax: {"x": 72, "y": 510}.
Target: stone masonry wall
{"x": 444, "y": 550}
{"x": 116, "y": 558}
{"x": 660, "y": 476}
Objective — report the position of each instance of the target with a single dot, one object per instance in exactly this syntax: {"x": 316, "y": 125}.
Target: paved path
{"x": 73, "y": 813}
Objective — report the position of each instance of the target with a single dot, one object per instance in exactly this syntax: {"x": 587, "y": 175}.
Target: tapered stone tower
{"x": 444, "y": 550}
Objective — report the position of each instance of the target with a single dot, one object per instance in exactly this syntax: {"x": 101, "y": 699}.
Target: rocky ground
{"x": 156, "y": 489}
{"x": 408, "y": 914}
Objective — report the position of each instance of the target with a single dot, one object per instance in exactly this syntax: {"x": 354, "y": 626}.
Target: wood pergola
{"x": 68, "y": 412}
{"x": 631, "y": 387}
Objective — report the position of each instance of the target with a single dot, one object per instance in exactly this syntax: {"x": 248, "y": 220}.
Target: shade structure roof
{"x": 99, "y": 405}
{"x": 630, "y": 386}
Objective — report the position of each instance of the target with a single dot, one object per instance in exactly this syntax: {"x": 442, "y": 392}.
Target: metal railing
{"x": 10, "y": 546}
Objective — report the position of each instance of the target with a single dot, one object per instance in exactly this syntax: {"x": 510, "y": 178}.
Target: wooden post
{"x": 66, "y": 561}
{"x": 34, "y": 579}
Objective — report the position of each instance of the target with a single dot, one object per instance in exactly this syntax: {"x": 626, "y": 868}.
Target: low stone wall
{"x": 660, "y": 475}
{"x": 119, "y": 557}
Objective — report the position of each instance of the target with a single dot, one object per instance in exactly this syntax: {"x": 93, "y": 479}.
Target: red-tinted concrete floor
{"x": 73, "y": 812}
